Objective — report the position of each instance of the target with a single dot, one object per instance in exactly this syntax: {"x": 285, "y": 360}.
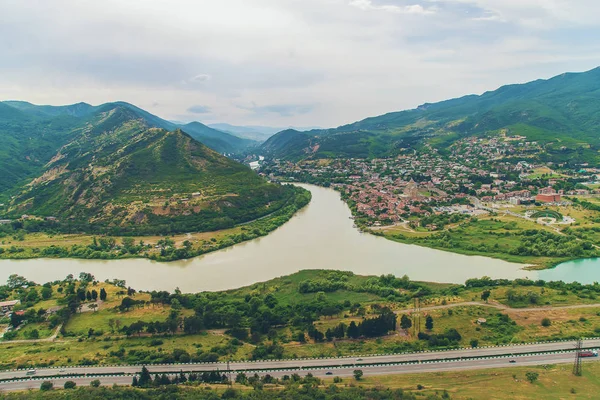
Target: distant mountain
{"x": 109, "y": 169}
{"x": 253, "y": 132}
{"x": 562, "y": 113}
{"x": 220, "y": 141}
{"x": 288, "y": 144}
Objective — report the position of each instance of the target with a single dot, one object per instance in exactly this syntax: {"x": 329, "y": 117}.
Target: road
{"x": 499, "y": 307}
{"x": 464, "y": 359}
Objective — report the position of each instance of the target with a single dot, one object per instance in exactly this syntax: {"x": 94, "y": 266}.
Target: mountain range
{"x": 561, "y": 113}
{"x": 254, "y": 132}
{"x": 116, "y": 168}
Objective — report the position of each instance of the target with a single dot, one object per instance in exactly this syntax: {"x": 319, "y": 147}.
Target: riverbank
{"x": 499, "y": 236}
{"x": 21, "y": 246}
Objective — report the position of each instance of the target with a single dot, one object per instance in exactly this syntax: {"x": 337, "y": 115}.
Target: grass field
{"x": 555, "y": 382}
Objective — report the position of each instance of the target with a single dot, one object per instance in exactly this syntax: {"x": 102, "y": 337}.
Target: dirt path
{"x": 499, "y": 307}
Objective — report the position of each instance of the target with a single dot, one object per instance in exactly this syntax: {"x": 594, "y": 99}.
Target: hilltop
{"x": 32, "y": 134}
{"x": 110, "y": 169}
{"x": 561, "y": 113}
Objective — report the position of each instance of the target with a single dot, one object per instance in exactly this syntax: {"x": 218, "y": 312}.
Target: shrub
{"x": 47, "y": 385}
{"x": 70, "y": 385}
{"x": 532, "y": 376}
{"x": 546, "y": 322}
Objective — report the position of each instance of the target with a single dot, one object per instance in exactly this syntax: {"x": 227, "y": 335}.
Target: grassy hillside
{"x": 118, "y": 173}
{"x": 562, "y": 113}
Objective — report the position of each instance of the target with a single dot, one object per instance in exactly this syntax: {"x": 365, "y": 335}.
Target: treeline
{"x": 385, "y": 286}
{"x": 450, "y": 338}
{"x": 532, "y": 242}
{"x": 368, "y": 327}
{"x": 296, "y": 391}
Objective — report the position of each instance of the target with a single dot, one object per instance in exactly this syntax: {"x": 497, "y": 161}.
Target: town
{"x": 475, "y": 176}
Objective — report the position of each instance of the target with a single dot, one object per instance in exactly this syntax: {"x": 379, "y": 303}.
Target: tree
{"x": 353, "y": 331}
{"x": 405, "y": 322}
{"x": 46, "y": 385}
{"x": 429, "y": 322}
{"x": 145, "y": 378}
{"x": 46, "y": 292}
{"x": 88, "y": 296}
{"x": 474, "y": 343}
{"x": 70, "y": 385}
{"x": 86, "y": 277}
{"x": 546, "y": 322}
{"x": 532, "y": 376}
{"x": 93, "y": 306}
{"x": 94, "y": 295}
{"x": 241, "y": 378}
{"x": 358, "y": 374}
{"x": 16, "y": 281}
{"x": 127, "y": 303}
{"x": 485, "y": 295}
{"x": 134, "y": 381}
{"x": 95, "y": 383}
{"x": 102, "y": 294}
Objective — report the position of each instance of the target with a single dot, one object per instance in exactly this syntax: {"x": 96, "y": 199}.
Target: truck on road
{"x": 588, "y": 353}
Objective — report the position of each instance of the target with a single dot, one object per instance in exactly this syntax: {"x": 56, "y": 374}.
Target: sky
{"x": 285, "y": 62}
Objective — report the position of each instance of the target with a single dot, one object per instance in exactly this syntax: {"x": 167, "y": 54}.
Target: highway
{"x": 466, "y": 359}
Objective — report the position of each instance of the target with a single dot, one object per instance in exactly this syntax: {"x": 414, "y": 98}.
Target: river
{"x": 319, "y": 236}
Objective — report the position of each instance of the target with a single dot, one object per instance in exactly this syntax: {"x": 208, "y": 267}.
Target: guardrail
{"x": 289, "y": 369}
{"x": 311, "y": 358}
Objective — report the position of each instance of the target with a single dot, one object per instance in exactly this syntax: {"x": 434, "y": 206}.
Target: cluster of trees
{"x": 145, "y": 379}
{"x": 369, "y": 327}
{"x": 532, "y": 242}
{"x": 384, "y": 286}
{"x": 171, "y": 325}
{"x": 450, "y": 338}
{"x": 581, "y": 290}
{"x": 74, "y": 292}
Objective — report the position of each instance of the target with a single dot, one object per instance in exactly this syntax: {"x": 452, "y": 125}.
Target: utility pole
{"x": 416, "y": 317}
{"x": 577, "y": 371}
{"x": 229, "y": 374}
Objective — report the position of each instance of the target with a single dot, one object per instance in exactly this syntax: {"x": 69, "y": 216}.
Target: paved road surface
{"x": 420, "y": 362}
{"x": 529, "y": 360}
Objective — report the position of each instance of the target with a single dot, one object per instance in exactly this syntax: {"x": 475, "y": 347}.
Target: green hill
{"x": 113, "y": 172}
{"x": 562, "y": 113}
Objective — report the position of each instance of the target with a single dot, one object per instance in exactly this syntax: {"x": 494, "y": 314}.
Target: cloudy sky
{"x": 285, "y": 62}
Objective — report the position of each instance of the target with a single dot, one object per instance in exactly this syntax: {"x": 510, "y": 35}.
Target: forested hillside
{"x": 109, "y": 169}
{"x": 562, "y": 113}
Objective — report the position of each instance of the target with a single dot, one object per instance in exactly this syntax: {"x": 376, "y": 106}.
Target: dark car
{"x": 328, "y": 373}
{"x": 512, "y": 361}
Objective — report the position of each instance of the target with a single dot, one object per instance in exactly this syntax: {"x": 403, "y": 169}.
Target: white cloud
{"x": 408, "y": 9}
{"x": 352, "y": 58}
{"x": 200, "y": 78}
